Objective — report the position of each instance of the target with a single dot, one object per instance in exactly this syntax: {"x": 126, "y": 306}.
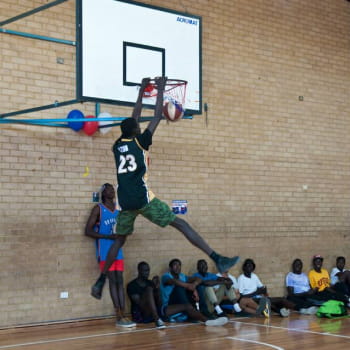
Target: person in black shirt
{"x": 145, "y": 297}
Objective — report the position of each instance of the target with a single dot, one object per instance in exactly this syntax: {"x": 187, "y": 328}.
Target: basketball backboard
{"x": 122, "y": 42}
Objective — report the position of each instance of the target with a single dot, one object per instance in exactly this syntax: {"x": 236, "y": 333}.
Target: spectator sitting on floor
{"x": 299, "y": 291}
{"x": 144, "y": 295}
{"x": 250, "y": 286}
{"x": 246, "y": 304}
{"x": 174, "y": 287}
{"x": 214, "y": 289}
{"x": 321, "y": 284}
{"x": 340, "y": 277}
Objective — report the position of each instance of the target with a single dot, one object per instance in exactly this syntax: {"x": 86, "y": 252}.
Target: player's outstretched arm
{"x": 158, "y": 112}
{"x": 136, "y": 113}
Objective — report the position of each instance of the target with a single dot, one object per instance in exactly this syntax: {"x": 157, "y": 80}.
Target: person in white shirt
{"x": 340, "y": 277}
{"x": 245, "y": 304}
{"x": 250, "y": 286}
{"x": 299, "y": 290}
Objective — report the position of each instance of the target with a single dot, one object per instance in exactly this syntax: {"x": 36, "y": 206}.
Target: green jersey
{"x": 131, "y": 159}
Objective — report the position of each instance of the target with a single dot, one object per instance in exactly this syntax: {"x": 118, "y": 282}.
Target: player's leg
{"x": 116, "y": 285}
{"x": 160, "y": 214}
{"x": 191, "y": 235}
{"x": 96, "y": 290}
{"x": 222, "y": 263}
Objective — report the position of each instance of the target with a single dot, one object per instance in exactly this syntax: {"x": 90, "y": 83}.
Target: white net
{"x": 175, "y": 92}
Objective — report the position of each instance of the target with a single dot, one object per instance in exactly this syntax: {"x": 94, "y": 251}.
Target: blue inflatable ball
{"x": 75, "y": 114}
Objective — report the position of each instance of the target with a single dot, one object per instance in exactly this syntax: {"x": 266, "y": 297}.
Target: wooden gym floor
{"x": 295, "y": 332}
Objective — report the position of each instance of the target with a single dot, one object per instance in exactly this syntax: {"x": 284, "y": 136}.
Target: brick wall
{"x": 267, "y": 177}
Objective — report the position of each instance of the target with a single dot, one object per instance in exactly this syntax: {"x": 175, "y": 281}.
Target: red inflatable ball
{"x": 90, "y": 127}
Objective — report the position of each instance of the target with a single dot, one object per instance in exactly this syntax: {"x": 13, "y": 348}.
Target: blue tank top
{"x": 105, "y": 227}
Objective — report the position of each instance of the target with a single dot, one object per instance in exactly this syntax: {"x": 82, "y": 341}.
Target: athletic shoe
{"x": 160, "y": 324}
{"x": 267, "y": 310}
{"x": 125, "y": 322}
{"x": 223, "y": 263}
{"x": 284, "y": 312}
{"x": 262, "y": 306}
{"x": 218, "y": 322}
{"x": 304, "y": 311}
{"x": 312, "y": 310}
{"x": 97, "y": 288}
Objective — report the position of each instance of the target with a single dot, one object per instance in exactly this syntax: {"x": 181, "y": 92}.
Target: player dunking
{"x": 134, "y": 196}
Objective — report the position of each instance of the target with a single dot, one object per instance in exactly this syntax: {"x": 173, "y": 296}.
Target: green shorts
{"x": 155, "y": 211}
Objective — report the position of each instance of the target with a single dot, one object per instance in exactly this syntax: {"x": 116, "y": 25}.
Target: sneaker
{"x": 304, "y": 311}
{"x": 312, "y": 310}
{"x": 218, "y": 322}
{"x": 284, "y": 312}
{"x": 223, "y": 263}
{"x": 160, "y": 324}
{"x": 267, "y": 310}
{"x": 96, "y": 290}
{"x": 125, "y": 322}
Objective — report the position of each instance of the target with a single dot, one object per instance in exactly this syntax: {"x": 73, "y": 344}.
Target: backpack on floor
{"x": 332, "y": 309}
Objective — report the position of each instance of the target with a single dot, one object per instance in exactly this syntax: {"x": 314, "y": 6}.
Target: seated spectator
{"x": 250, "y": 286}
{"x": 144, "y": 295}
{"x": 248, "y": 305}
{"x": 340, "y": 277}
{"x": 299, "y": 290}
{"x": 321, "y": 284}
{"x": 214, "y": 289}
{"x": 174, "y": 288}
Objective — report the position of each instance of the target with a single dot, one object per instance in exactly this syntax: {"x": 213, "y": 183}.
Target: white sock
{"x": 237, "y": 307}
{"x": 218, "y": 309}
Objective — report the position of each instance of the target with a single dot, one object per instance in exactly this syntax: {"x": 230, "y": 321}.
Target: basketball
{"x": 173, "y": 111}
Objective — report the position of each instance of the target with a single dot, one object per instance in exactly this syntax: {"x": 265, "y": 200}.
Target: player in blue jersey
{"x": 99, "y": 226}
{"x": 134, "y": 196}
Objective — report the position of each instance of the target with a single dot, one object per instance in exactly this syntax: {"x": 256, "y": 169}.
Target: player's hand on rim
{"x": 145, "y": 82}
{"x": 160, "y": 81}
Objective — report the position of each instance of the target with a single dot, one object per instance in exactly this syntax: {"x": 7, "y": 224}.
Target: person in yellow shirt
{"x": 319, "y": 277}
{"x": 320, "y": 283}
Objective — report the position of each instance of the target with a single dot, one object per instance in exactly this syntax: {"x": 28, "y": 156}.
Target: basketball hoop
{"x": 174, "y": 91}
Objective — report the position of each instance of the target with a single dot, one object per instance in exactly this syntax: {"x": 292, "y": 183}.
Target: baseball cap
{"x": 318, "y": 256}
